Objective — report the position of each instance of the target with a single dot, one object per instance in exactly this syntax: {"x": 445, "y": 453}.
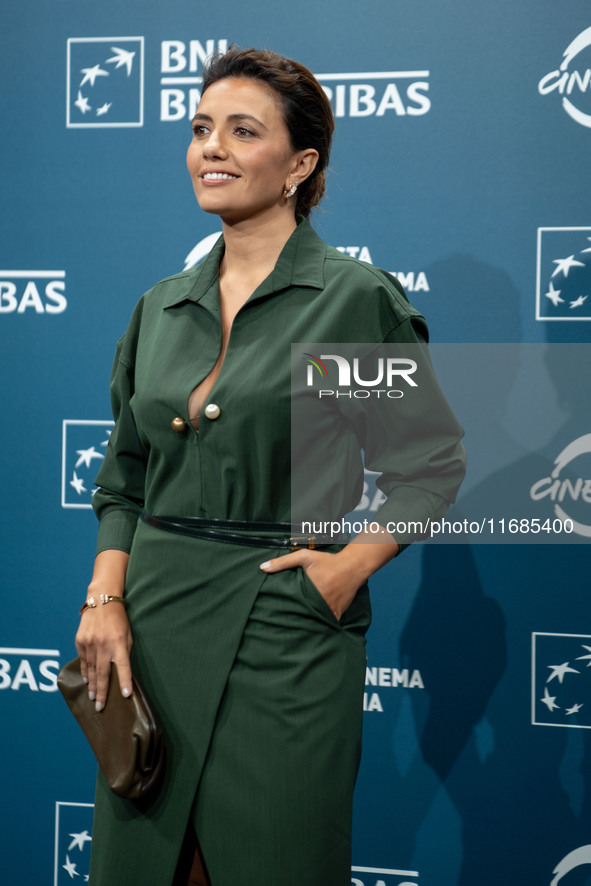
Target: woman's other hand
{"x": 104, "y": 635}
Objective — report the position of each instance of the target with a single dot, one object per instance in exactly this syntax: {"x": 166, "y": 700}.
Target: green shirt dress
{"x": 257, "y": 686}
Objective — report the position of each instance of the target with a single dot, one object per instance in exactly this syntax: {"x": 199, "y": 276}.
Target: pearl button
{"x": 212, "y": 411}
{"x": 178, "y": 424}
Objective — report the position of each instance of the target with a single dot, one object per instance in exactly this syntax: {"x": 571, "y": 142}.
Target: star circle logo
{"x": 105, "y": 82}
{"x": 561, "y": 680}
{"x": 564, "y": 274}
{"x": 73, "y": 840}
{"x": 76, "y": 851}
{"x": 84, "y": 444}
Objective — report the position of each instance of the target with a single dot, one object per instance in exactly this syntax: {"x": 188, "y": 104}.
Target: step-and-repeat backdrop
{"x": 461, "y": 164}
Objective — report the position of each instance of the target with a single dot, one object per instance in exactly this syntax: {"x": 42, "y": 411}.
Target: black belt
{"x": 242, "y": 532}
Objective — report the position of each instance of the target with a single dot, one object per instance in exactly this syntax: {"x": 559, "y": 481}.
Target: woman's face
{"x": 241, "y": 159}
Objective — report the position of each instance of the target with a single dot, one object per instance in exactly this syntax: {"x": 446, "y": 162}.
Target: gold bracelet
{"x": 91, "y": 603}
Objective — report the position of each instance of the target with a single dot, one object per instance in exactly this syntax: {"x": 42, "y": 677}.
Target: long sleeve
{"x": 414, "y": 443}
{"x": 121, "y": 479}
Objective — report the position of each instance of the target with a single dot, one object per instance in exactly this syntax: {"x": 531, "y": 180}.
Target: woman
{"x": 254, "y": 663}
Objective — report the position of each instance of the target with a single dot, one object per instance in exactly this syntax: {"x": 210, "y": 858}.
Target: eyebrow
{"x": 233, "y": 118}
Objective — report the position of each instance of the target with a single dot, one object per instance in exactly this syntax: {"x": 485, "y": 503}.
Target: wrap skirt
{"x": 258, "y": 690}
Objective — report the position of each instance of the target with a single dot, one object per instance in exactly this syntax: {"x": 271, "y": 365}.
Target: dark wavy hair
{"x": 306, "y": 109}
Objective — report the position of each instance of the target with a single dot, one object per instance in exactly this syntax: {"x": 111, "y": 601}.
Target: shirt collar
{"x": 300, "y": 263}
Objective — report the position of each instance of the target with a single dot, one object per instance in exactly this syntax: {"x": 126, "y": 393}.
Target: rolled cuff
{"x": 117, "y": 521}
{"x": 116, "y": 532}
{"x": 409, "y": 512}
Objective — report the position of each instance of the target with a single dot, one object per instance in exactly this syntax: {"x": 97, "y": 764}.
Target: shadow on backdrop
{"x": 519, "y": 790}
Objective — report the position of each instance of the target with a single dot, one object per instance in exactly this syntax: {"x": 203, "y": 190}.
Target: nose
{"x": 214, "y": 146}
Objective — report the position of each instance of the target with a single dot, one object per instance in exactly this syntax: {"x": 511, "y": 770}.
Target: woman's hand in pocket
{"x": 333, "y": 580}
{"x": 339, "y": 576}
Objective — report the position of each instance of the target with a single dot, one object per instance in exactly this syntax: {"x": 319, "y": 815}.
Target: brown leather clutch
{"x": 124, "y": 735}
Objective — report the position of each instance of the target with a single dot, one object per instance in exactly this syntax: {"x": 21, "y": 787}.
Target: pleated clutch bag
{"x": 124, "y": 736}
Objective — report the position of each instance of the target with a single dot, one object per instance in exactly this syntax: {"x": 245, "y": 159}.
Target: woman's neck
{"x": 253, "y": 247}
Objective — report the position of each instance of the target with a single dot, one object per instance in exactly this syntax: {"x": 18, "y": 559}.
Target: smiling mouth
{"x": 218, "y": 176}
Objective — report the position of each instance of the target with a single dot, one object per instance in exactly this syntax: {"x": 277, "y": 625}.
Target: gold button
{"x": 212, "y": 411}
{"x": 178, "y": 424}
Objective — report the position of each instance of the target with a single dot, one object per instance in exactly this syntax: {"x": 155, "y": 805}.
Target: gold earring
{"x": 289, "y": 192}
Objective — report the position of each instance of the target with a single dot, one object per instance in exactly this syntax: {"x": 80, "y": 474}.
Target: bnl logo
{"x": 563, "y": 287}
{"x": 561, "y": 680}
{"x": 383, "y": 877}
{"x": 105, "y": 82}
{"x": 73, "y": 839}
{"x": 84, "y": 444}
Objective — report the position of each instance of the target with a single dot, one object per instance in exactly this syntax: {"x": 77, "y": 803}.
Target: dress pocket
{"x": 315, "y": 599}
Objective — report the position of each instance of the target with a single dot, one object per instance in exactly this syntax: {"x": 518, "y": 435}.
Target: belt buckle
{"x": 302, "y": 541}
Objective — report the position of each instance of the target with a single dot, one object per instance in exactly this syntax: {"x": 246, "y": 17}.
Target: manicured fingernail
{"x": 92, "y": 695}
{"x": 99, "y": 706}
{"x": 126, "y": 691}
{"x": 85, "y": 679}
{"x": 265, "y": 565}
